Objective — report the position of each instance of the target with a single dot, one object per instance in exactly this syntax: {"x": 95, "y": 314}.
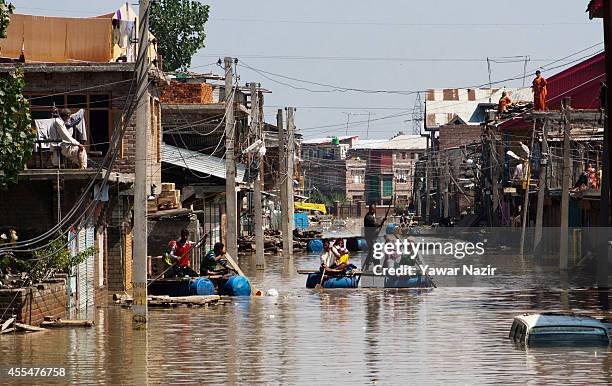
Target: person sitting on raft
{"x": 342, "y": 255}
{"x": 331, "y": 257}
{"x": 179, "y": 255}
{"x": 213, "y": 262}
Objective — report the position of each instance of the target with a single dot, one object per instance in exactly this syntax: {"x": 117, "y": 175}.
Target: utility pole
{"x": 258, "y": 223}
{"x": 565, "y": 198}
{"x": 289, "y": 181}
{"x": 526, "y": 200}
{"x": 541, "y": 191}
{"x": 230, "y": 162}
{"x": 282, "y": 177}
{"x": 446, "y": 185}
{"x": 606, "y": 181}
{"x": 427, "y": 173}
{"x": 494, "y": 161}
{"x": 141, "y": 183}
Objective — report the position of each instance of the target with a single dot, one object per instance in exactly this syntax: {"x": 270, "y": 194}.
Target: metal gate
{"x": 85, "y": 269}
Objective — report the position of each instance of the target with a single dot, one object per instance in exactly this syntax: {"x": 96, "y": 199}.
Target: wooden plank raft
{"x": 190, "y": 301}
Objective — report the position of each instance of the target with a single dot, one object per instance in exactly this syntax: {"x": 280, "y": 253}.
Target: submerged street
{"x": 440, "y": 336}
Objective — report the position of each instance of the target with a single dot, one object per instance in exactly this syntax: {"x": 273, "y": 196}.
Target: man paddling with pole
{"x": 372, "y": 229}
{"x": 179, "y": 253}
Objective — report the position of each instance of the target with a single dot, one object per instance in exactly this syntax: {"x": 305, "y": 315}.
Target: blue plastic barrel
{"x": 341, "y": 282}
{"x": 315, "y": 246}
{"x": 332, "y": 282}
{"x": 391, "y": 229}
{"x": 201, "y": 286}
{"x": 236, "y": 286}
{"x": 362, "y": 245}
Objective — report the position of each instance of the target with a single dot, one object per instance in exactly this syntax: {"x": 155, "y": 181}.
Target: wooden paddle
{"x": 236, "y": 267}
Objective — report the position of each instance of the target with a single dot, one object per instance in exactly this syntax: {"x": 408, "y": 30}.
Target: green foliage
{"x": 5, "y": 16}
{"x": 55, "y": 258}
{"x": 178, "y": 26}
{"x": 16, "y": 135}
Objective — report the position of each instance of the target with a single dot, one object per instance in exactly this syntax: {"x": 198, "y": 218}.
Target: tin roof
{"x": 327, "y": 140}
{"x": 198, "y": 162}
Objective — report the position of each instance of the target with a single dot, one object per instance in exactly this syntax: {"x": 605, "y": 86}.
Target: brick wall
{"x": 187, "y": 93}
{"x": 458, "y": 135}
{"x": 32, "y": 304}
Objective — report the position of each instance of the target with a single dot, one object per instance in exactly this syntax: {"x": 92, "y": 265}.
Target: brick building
{"x": 93, "y": 71}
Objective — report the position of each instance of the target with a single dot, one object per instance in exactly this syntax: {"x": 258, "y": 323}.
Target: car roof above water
{"x": 547, "y": 320}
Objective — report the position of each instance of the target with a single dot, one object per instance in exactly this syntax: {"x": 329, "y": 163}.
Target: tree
{"x": 5, "y": 16}
{"x": 16, "y": 135}
{"x": 178, "y": 26}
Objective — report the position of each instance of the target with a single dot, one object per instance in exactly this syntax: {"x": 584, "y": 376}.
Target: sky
{"x": 395, "y": 48}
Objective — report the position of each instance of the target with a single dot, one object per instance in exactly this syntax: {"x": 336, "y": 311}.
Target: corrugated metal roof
{"x": 198, "y": 162}
{"x": 401, "y": 142}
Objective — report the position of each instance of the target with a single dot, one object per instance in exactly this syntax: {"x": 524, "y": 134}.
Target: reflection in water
{"x": 447, "y": 335}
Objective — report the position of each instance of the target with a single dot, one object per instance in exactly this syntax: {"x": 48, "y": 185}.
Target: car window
{"x": 513, "y": 330}
{"x": 568, "y": 330}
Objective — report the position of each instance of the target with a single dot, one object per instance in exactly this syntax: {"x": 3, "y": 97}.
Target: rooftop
{"x": 327, "y": 140}
{"x": 400, "y": 142}
{"x": 198, "y": 162}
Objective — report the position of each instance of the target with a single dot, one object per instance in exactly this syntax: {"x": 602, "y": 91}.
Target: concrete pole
{"x": 282, "y": 177}
{"x": 526, "y": 200}
{"x": 143, "y": 121}
{"x": 258, "y": 223}
{"x": 230, "y": 162}
{"x": 446, "y": 185}
{"x": 565, "y": 198}
{"x": 606, "y": 181}
{"x": 542, "y": 191}
{"x": 427, "y": 173}
{"x": 289, "y": 181}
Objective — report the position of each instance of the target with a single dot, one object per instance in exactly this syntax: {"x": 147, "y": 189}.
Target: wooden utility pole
{"x": 141, "y": 183}
{"x": 565, "y": 198}
{"x": 230, "y": 162}
{"x": 282, "y": 177}
{"x": 289, "y": 180}
{"x": 537, "y": 239}
{"x": 257, "y": 212}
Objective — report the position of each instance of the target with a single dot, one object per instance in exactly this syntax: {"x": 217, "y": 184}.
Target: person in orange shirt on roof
{"x": 504, "y": 102}
{"x": 539, "y": 92}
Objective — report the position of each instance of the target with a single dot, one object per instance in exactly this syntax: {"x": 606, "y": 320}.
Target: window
{"x": 358, "y": 176}
{"x": 401, "y": 175}
{"x": 98, "y": 114}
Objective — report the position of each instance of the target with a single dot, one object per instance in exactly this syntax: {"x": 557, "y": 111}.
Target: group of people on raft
{"x": 178, "y": 256}
{"x": 335, "y": 258}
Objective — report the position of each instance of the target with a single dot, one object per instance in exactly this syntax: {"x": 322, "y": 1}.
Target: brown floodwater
{"x": 455, "y": 335}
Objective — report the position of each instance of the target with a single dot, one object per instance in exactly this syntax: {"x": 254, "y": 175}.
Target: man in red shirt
{"x": 180, "y": 253}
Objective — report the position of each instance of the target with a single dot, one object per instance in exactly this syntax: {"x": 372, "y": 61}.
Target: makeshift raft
{"x": 234, "y": 285}
{"x": 358, "y": 279}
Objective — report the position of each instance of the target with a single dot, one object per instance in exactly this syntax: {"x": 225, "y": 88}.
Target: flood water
{"x": 367, "y": 336}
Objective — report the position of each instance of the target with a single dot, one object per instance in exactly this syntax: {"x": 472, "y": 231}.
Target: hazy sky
{"x": 373, "y": 45}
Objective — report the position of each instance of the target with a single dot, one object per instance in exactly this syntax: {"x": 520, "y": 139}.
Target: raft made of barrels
{"x": 200, "y": 286}
{"x": 333, "y": 281}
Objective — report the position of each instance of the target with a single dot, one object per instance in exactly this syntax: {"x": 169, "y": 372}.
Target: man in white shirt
{"x": 70, "y": 147}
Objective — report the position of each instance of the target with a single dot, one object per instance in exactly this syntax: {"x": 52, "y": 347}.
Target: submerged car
{"x": 558, "y": 329}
